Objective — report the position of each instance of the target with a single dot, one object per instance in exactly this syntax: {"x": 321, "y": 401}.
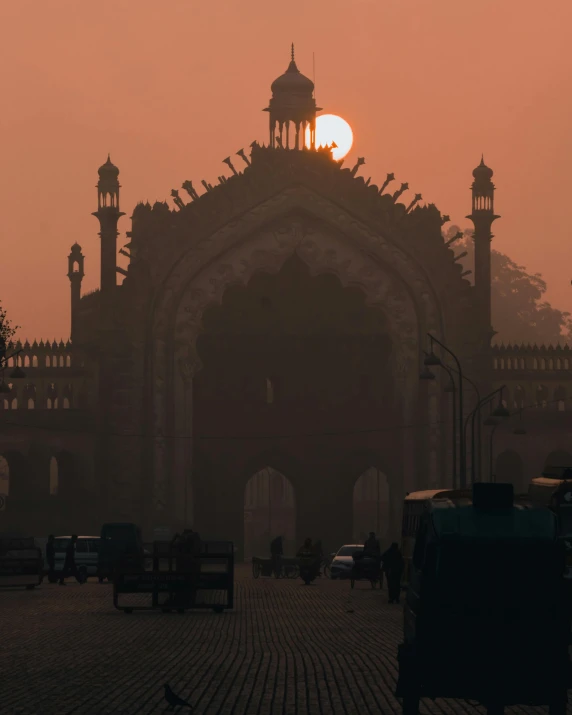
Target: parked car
{"x": 86, "y": 551}
{"x": 342, "y": 563}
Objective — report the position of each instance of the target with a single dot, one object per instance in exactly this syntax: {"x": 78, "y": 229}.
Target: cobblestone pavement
{"x": 67, "y": 650}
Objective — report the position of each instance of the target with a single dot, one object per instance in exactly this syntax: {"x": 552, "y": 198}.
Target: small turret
{"x": 75, "y": 274}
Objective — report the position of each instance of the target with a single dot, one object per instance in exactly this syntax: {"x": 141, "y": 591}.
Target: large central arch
{"x": 327, "y": 240}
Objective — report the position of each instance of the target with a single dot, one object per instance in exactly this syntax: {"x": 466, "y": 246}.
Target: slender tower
{"x": 108, "y": 214}
{"x": 482, "y": 216}
{"x": 292, "y": 109}
{"x": 75, "y": 274}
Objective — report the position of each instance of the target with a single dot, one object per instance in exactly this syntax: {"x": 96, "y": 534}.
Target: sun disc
{"x": 331, "y": 129}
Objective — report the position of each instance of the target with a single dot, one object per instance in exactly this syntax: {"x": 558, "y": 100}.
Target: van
{"x": 86, "y": 555}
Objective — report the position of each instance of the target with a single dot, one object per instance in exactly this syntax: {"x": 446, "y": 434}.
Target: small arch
{"x": 48, "y": 361}
{"x": 62, "y": 362}
{"x": 34, "y": 361}
{"x": 54, "y": 477}
{"x": 14, "y": 404}
{"x": 55, "y": 403}
{"x": 522, "y": 364}
{"x": 509, "y": 364}
{"x": 26, "y": 361}
{"x": 558, "y": 364}
{"x": 269, "y": 511}
{"x": 542, "y": 364}
{"x": 502, "y": 363}
{"x": 551, "y": 364}
{"x": 541, "y": 396}
{"x": 269, "y": 391}
{"x": 48, "y": 403}
{"x": 5, "y": 404}
{"x": 68, "y": 361}
{"x": 66, "y": 404}
{"x": 495, "y": 364}
{"x": 371, "y": 506}
{"x": 566, "y": 364}
{"x": 54, "y": 360}
{"x": 560, "y": 398}
{"x": 31, "y": 403}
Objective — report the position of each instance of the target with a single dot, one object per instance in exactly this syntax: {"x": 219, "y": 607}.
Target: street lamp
{"x": 431, "y": 357}
{"x": 433, "y": 361}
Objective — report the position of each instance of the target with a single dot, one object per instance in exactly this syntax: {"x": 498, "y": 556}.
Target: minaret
{"x": 75, "y": 274}
{"x": 482, "y": 216}
{"x": 108, "y": 214}
{"x": 292, "y": 109}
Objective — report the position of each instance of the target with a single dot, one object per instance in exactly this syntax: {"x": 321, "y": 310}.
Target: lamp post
{"x": 428, "y": 375}
{"x": 498, "y": 412}
{"x": 495, "y": 422}
{"x": 433, "y": 360}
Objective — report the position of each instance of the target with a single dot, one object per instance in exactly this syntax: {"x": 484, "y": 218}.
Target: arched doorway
{"x": 371, "y": 510}
{"x": 509, "y": 468}
{"x": 269, "y": 511}
{"x": 556, "y": 462}
{"x": 54, "y": 477}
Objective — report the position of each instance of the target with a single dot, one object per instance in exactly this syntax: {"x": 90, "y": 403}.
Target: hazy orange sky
{"x": 172, "y": 88}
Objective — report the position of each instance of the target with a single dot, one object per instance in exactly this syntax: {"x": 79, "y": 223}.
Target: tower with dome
{"x": 256, "y": 368}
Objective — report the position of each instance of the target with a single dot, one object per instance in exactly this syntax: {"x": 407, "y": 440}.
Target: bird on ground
{"x": 174, "y": 700}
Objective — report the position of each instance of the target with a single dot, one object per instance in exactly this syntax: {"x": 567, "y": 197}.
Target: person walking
{"x": 393, "y": 568}
{"x": 51, "y": 558}
{"x": 70, "y": 568}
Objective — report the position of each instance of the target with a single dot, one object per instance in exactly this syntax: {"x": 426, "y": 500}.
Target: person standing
{"x": 70, "y": 568}
{"x": 393, "y": 568}
{"x": 51, "y": 558}
{"x": 276, "y": 554}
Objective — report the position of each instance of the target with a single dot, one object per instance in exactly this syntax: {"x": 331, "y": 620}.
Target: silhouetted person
{"x": 51, "y": 557}
{"x": 306, "y": 548}
{"x": 371, "y": 547}
{"x": 174, "y": 700}
{"x": 70, "y": 568}
{"x": 393, "y": 568}
{"x": 276, "y": 554}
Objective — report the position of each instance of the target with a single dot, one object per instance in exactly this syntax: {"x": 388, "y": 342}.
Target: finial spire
{"x": 293, "y": 52}
{"x": 482, "y": 159}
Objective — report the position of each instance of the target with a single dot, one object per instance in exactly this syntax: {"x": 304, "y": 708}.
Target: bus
{"x": 554, "y": 490}
{"x": 414, "y": 505}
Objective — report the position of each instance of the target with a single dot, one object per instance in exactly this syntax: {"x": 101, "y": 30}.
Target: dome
{"x": 292, "y": 81}
{"x": 483, "y": 171}
{"x": 108, "y": 170}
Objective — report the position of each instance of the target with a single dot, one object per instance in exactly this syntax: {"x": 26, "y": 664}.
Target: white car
{"x": 342, "y": 563}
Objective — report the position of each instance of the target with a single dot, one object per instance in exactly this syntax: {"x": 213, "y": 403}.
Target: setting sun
{"x": 331, "y": 128}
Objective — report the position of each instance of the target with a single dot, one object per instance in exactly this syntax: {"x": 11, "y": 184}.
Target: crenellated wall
{"x": 54, "y": 378}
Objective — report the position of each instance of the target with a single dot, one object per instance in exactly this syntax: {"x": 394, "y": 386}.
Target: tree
{"x": 519, "y": 314}
{"x": 7, "y": 332}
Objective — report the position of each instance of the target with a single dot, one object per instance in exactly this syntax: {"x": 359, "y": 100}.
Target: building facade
{"x": 278, "y": 321}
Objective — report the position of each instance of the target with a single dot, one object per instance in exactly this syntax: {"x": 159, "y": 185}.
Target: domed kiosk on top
{"x": 483, "y": 172}
{"x": 108, "y": 170}
{"x": 292, "y": 109}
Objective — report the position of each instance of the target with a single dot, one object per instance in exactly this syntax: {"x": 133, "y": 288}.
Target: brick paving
{"x": 67, "y": 650}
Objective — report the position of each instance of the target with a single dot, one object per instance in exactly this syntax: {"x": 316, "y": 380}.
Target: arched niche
{"x": 371, "y": 506}
{"x": 269, "y": 511}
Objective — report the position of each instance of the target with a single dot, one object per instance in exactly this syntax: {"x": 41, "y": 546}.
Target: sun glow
{"x": 331, "y": 128}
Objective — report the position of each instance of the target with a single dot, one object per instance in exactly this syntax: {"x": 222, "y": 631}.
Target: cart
{"x": 366, "y": 569}
{"x": 204, "y": 582}
{"x": 290, "y": 568}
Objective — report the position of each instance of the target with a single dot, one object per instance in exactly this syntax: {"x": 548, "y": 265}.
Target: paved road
{"x": 66, "y": 650}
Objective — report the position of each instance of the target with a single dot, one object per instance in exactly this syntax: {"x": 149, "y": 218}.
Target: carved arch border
{"x": 329, "y": 241}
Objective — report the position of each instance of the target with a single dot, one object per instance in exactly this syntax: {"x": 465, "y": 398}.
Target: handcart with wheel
{"x": 180, "y": 582}
{"x": 366, "y": 569}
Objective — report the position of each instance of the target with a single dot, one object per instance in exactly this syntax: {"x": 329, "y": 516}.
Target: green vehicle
{"x": 485, "y": 616}
{"x": 120, "y": 549}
